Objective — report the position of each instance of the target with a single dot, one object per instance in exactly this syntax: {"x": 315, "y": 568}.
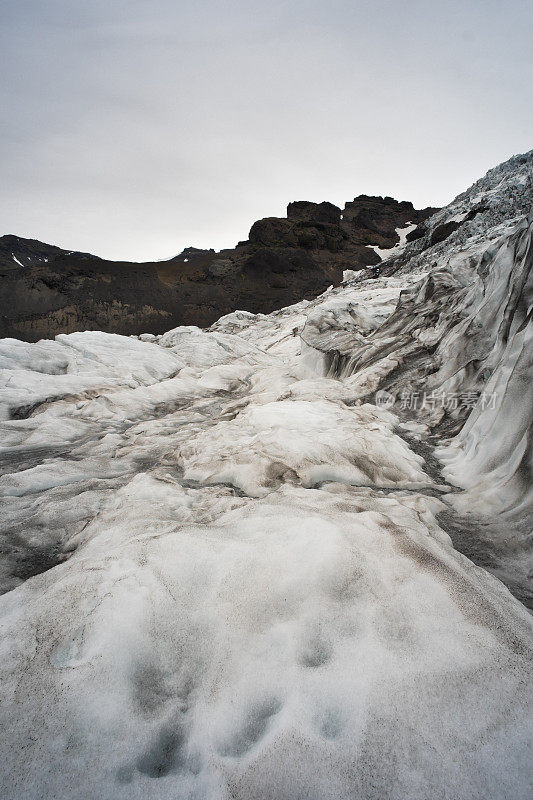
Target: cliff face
{"x": 47, "y": 290}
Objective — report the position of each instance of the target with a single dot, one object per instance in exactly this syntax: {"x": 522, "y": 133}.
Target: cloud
{"x": 133, "y": 129}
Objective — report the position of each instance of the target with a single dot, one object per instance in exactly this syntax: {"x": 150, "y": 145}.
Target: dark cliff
{"x": 47, "y": 290}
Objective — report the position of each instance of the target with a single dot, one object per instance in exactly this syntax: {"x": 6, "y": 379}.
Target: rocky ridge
{"x": 47, "y": 290}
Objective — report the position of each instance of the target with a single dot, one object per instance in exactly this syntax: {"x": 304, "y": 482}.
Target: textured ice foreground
{"x": 243, "y": 584}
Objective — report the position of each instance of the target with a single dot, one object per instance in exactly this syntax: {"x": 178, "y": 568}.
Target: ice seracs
{"x": 228, "y": 572}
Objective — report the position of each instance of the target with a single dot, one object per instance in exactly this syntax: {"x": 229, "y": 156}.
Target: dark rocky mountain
{"x": 48, "y": 290}
{"x": 15, "y": 252}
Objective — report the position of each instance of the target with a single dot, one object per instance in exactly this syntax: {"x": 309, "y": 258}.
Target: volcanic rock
{"x": 48, "y": 290}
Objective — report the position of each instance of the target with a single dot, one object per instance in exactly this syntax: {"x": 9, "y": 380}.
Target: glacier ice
{"x": 229, "y": 574}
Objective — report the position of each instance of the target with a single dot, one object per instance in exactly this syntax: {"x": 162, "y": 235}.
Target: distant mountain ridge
{"x": 16, "y": 251}
{"x": 48, "y": 290}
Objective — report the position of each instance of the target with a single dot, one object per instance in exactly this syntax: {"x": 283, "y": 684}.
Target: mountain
{"x": 18, "y": 252}
{"x": 47, "y": 290}
{"x": 15, "y": 252}
{"x": 287, "y": 556}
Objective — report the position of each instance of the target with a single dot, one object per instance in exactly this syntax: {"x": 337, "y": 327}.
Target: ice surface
{"x": 229, "y": 573}
{"x": 76, "y": 363}
{"x": 306, "y": 441}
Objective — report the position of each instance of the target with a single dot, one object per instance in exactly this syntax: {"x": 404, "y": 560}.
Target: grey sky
{"x": 133, "y": 128}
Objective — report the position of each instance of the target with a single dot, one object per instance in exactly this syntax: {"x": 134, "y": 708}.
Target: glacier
{"x": 230, "y": 573}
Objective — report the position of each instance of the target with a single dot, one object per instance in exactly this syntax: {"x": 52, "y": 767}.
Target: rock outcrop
{"x": 47, "y": 290}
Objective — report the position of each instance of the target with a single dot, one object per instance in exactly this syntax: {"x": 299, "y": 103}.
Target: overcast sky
{"x": 134, "y": 128}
